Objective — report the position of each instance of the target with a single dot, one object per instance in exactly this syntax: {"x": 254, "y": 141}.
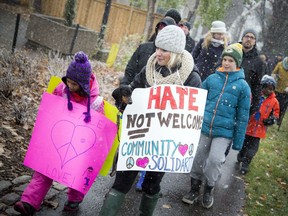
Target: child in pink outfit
{"x": 80, "y": 86}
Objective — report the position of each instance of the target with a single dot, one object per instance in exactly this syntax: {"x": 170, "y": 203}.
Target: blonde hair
{"x": 175, "y": 59}
{"x": 208, "y": 37}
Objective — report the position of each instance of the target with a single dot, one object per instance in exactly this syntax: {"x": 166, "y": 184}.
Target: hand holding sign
{"x": 157, "y": 126}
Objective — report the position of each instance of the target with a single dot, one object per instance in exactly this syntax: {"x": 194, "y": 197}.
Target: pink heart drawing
{"x": 71, "y": 141}
{"x": 183, "y": 149}
{"x": 142, "y": 162}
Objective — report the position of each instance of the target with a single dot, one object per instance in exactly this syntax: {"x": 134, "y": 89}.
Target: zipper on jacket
{"x": 216, "y": 107}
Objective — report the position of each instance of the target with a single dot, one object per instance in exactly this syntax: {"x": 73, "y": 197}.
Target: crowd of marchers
{"x": 246, "y": 93}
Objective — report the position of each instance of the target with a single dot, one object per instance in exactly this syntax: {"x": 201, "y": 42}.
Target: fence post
{"x": 73, "y": 40}
{"x": 15, "y": 32}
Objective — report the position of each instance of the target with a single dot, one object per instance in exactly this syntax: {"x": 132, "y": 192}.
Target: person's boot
{"x": 112, "y": 203}
{"x": 24, "y": 208}
{"x": 71, "y": 206}
{"x": 239, "y": 158}
{"x": 244, "y": 168}
{"x": 208, "y": 196}
{"x": 148, "y": 204}
{"x": 194, "y": 193}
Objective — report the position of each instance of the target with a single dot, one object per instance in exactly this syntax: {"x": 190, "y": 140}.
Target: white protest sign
{"x": 161, "y": 129}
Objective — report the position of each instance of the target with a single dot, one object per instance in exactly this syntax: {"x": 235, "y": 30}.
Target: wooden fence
{"x": 123, "y": 20}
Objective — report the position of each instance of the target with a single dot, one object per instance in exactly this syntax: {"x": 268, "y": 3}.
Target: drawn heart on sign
{"x": 71, "y": 141}
{"x": 142, "y": 162}
{"x": 182, "y": 149}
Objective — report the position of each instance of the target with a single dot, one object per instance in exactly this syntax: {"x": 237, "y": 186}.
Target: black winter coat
{"x": 254, "y": 70}
{"x": 206, "y": 59}
{"x": 138, "y": 61}
{"x": 190, "y": 44}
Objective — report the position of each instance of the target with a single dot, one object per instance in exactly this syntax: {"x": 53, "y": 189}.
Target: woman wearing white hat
{"x": 208, "y": 50}
{"x": 170, "y": 64}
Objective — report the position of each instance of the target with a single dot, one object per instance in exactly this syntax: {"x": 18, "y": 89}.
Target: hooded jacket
{"x": 227, "y": 107}
{"x": 281, "y": 76}
{"x": 95, "y": 100}
{"x": 256, "y": 128}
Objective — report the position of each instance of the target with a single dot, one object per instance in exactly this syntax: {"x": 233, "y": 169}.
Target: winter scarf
{"x": 217, "y": 43}
{"x": 177, "y": 78}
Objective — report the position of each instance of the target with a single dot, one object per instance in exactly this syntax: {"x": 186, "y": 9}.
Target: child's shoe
{"x": 24, "y": 208}
{"x": 71, "y": 206}
{"x": 244, "y": 168}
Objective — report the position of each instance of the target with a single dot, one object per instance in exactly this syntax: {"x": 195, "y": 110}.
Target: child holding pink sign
{"x": 80, "y": 86}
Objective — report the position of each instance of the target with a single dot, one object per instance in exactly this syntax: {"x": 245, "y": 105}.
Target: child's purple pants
{"x": 38, "y": 187}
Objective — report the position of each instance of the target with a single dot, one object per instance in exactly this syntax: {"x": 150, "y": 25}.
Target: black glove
{"x": 269, "y": 121}
{"x": 122, "y": 96}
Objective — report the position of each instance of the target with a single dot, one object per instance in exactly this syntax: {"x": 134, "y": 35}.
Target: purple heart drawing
{"x": 183, "y": 149}
{"x": 71, "y": 141}
{"x": 142, "y": 162}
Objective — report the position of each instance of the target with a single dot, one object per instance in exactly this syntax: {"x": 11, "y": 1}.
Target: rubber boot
{"x": 148, "y": 204}
{"x": 112, "y": 203}
{"x": 208, "y": 196}
{"x": 194, "y": 193}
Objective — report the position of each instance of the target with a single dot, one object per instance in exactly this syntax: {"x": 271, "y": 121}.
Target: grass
{"x": 267, "y": 181}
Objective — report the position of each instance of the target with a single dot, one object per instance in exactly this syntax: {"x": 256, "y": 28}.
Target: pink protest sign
{"x": 64, "y": 147}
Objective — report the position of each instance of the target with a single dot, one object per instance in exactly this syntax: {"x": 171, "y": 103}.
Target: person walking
{"x": 208, "y": 50}
{"x": 170, "y": 64}
{"x": 190, "y": 43}
{"x": 225, "y": 120}
{"x": 266, "y": 115}
{"x": 80, "y": 86}
{"x": 280, "y": 73}
{"x": 171, "y": 13}
{"x": 254, "y": 68}
{"x": 142, "y": 54}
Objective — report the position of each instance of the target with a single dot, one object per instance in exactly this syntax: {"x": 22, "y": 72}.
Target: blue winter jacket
{"x": 227, "y": 106}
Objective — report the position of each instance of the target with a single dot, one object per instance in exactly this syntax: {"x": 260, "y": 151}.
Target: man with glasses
{"x": 253, "y": 66}
{"x": 253, "y": 69}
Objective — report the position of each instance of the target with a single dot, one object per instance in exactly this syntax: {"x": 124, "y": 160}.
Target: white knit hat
{"x": 218, "y": 27}
{"x": 171, "y": 38}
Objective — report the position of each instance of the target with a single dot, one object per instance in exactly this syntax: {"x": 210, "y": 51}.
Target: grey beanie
{"x": 171, "y": 38}
{"x": 252, "y": 31}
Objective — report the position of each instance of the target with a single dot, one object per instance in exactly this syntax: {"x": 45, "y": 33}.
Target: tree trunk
{"x": 192, "y": 12}
{"x": 236, "y": 28}
{"x": 104, "y": 23}
{"x": 149, "y": 19}
{"x": 275, "y": 39}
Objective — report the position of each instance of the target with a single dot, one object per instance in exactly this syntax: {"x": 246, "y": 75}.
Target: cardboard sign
{"x": 65, "y": 148}
{"x": 111, "y": 113}
{"x": 161, "y": 129}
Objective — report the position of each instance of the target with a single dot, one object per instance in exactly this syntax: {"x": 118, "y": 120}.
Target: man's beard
{"x": 247, "y": 45}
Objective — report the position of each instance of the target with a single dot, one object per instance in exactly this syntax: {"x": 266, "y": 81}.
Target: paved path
{"x": 229, "y": 196}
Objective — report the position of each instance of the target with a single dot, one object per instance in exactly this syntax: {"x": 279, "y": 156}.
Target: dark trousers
{"x": 249, "y": 149}
{"x": 283, "y": 102}
{"x": 125, "y": 179}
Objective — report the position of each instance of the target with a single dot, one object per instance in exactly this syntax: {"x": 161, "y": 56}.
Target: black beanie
{"x": 173, "y": 13}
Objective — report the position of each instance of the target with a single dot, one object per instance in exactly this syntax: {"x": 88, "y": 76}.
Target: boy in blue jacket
{"x": 225, "y": 120}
